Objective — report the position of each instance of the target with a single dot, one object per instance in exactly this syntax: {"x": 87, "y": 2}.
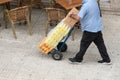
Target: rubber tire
{"x": 56, "y": 55}
{"x": 64, "y": 48}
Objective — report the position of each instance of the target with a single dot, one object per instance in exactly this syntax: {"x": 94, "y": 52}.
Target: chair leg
{"x": 6, "y": 19}
{"x": 4, "y": 14}
{"x": 29, "y": 26}
{"x": 13, "y": 29}
{"x": 30, "y": 12}
{"x": 6, "y": 6}
{"x": 73, "y": 34}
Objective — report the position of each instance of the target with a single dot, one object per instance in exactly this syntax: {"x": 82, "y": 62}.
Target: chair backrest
{"x": 55, "y": 14}
{"x": 18, "y": 14}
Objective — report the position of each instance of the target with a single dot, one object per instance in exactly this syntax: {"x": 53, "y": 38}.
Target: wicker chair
{"x": 30, "y": 4}
{"x": 17, "y": 15}
{"x": 54, "y": 14}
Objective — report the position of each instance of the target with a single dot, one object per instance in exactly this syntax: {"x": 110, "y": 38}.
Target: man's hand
{"x": 74, "y": 16}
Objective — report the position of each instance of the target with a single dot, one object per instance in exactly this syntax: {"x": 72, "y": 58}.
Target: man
{"x": 91, "y": 24}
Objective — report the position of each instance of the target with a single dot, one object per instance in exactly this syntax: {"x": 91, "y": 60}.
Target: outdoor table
{"x": 4, "y": 1}
{"x": 5, "y": 4}
{"x": 69, "y": 4}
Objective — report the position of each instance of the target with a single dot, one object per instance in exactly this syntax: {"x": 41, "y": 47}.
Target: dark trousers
{"x": 87, "y": 39}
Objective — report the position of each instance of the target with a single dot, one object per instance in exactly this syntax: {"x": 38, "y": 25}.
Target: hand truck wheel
{"x": 62, "y": 47}
{"x": 56, "y": 55}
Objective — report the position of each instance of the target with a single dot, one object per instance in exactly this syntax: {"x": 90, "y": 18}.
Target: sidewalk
{"x": 21, "y": 60}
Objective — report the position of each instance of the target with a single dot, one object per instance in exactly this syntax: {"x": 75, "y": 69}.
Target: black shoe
{"x": 74, "y": 61}
{"x": 105, "y": 62}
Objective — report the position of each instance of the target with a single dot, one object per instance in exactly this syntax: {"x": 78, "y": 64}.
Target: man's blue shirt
{"x": 90, "y": 16}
